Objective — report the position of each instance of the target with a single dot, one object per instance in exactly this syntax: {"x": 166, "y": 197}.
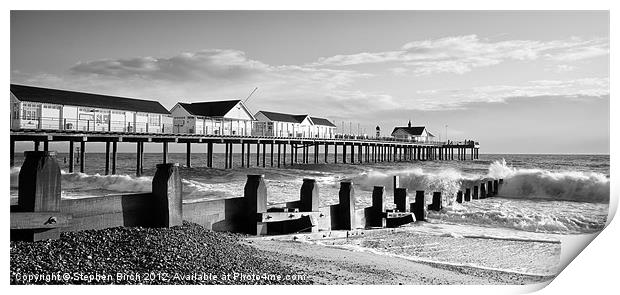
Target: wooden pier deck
{"x": 345, "y": 150}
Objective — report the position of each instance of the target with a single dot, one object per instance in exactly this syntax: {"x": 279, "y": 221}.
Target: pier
{"x": 269, "y": 151}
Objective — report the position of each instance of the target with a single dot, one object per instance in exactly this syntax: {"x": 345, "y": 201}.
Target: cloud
{"x": 436, "y": 99}
{"x": 218, "y": 64}
{"x": 462, "y": 54}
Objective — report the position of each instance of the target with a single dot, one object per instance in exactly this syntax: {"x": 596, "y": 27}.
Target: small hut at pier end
{"x": 227, "y": 117}
{"x": 415, "y": 133}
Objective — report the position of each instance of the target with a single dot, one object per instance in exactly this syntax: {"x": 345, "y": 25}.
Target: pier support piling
{"x": 82, "y": 156}
{"x": 107, "y": 158}
{"x": 114, "y": 157}
{"x": 188, "y": 154}
{"x": 71, "y": 156}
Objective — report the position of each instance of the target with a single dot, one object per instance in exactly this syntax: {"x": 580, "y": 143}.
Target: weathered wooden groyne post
{"x": 437, "y": 202}
{"x": 459, "y": 197}
{"x": 467, "y": 194}
{"x": 377, "y": 216}
{"x": 255, "y": 201}
{"x": 345, "y": 218}
{"x": 489, "y": 188}
{"x": 495, "y": 187}
{"x": 38, "y": 200}
{"x": 401, "y": 200}
{"x": 419, "y": 207}
{"x": 475, "y": 193}
{"x": 167, "y": 193}
{"x": 483, "y": 192}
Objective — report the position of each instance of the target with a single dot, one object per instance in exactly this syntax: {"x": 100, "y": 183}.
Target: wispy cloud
{"x": 436, "y": 99}
{"x": 462, "y": 54}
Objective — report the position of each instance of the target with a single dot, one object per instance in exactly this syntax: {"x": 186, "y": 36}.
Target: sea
{"x": 544, "y": 199}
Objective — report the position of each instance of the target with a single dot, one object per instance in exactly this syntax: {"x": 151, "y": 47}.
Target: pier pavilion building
{"x": 288, "y": 125}
{"x": 227, "y": 117}
{"x": 54, "y": 109}
{"x": 415, "y": 133}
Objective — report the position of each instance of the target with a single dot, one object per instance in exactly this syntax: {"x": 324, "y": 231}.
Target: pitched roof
{"x": 64, "y": 97}
{"x": 210, "y": 108}
{"x": 281, "y": 117}
{"x": 322, "y": 122}
{"x": 414, "y": 131}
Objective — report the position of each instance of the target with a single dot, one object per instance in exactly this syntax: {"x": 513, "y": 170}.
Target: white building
{"x": 416, "y": 133}
{"x": 287, "y": 125}
{"x": 229, "y": 117}
{"x": 53, "y": 109}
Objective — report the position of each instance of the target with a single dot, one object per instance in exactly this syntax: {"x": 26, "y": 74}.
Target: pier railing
{"x": 41, "y": 214}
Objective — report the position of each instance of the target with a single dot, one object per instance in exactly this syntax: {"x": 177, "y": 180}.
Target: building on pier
{"x": 415, "y": 133}
{"x": 228, "y": 117}
{"x": 54, "y": 109}
{"x": 288, "y": 125}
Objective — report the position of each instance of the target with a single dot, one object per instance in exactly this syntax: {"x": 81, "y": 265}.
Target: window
{"x": 154, "y": 119}
{"x": 31, "y": 111}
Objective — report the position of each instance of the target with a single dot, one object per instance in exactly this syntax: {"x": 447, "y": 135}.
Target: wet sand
{"x": 328, "y": 265}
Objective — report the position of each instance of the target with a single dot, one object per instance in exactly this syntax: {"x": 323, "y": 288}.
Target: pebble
{"x": 172, "y": 254}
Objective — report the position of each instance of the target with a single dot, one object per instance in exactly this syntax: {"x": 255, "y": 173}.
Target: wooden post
{"x": 475, "y": 194}
{"x": 419, "y": 207}
{"x": 344, "y": 153}
{"x": 188, "y": 154}
{"x": 46, "y": 146}
{"x": 167, "y": 191}
{"x": 495, "y": 187}
{"x": 255, "y": 201}
{"x": 326, "y": 152}
{"x": 346, "y": 207}
{"x": 231, "y": 155}
{"x": 107, "y": 158}
{"x": 210, "y": 155}
{"x": 467, "y": 194}
{"x": 71, "y": 156}
{"x": 114, "y": 157}
{"x": 165, "y": 152}
{"x": 335, "y": 152}
{"x": 459, "y": 197}
{"x": 401, "y": 199}
{"x": 257, "y": 154}
{"x": 284, "y": 154}
{"x": 226, "y": 156}
{"x": 437, "y": 204}
{"x": 490, "y": 188}
{"x": 39, "y": 190}
{"x": 292, "y": 154}
{"x": 352, "y": 153}
{"x": 395, "y": 183}
{"x": 37, "y": 146}
{"x": 12, "y": 148}
{"x": 82, "y": 155}
{"x": 247, "y": 156}
{"x": 242, "y": 154}
{"x": 264, "y": 152}
{"x": 378, "y": 207}
{"x": 309, "y": 196}
{"x": 483, "y": 192}
{"x": 279, "y": 148}
{"x": 271, "y": 153}
{"x": 359, "y": 153}
{"x": 500, "y": 184}
{"x": 138, "y": 172}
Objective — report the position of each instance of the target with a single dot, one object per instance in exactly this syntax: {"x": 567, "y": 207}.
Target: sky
{"x": 515, "y": 81}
